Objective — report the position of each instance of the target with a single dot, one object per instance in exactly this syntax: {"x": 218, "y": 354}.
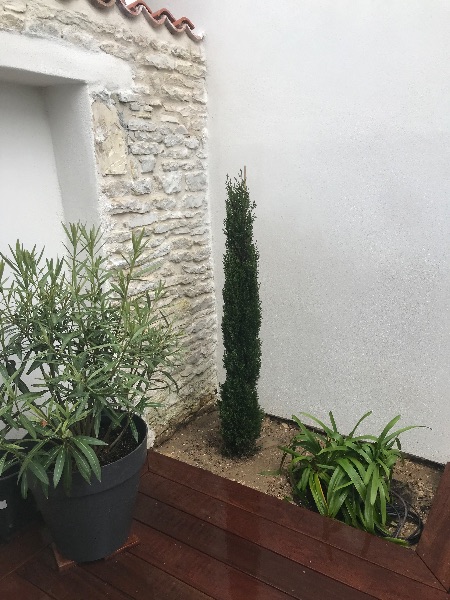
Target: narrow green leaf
{"x": 38, "y": 471}
{"x": 363, "y": 453}
{"x": 59, "y": 465}
{"x": 382, "y": 496}
{"x": 384, "y": 467}
{"x": 67, "y": 338}
{"x": 363, "y": 438}
{"x": 28, "y": 425}
{"x": 314, "y": 441}
{"x": 374, "y": 485}
{"x": 343, "y": 486}
{"x": 358, "y": 465}
{"x": 369, "y": 517}
{"x": 49, "y": 458}
{"x": 336, "y": 503}
{"x": 350, "y": 435}
{"x": 24, "y": 485}
{"x": 354, "y": 476}
{"x": 90, "y": 455}
{"x": 82, "y": 465}
{"x": 134, "y": 431}
{"x": 91, "y": 441}
{"x": 303, "y": 483}
{"x": 327, "y": 430}
{"x": 395, "y": 434}
{"x": 333, "y": 422}
{"x": 389, "y": 426}
{"x": 2, "y": 463}
{"x": 317, "y": 493}
{"x": 368, "y": 473}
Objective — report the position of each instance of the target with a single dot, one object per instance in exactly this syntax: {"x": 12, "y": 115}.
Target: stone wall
{"x": 151, "y": 154}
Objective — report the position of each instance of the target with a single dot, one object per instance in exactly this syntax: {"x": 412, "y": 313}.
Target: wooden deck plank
{"x": 142, "y": 581}
{"x": 212, "y": 577}
{"x": 274, "y": 554}
{"x": 434, "y": 545}
{"x": 353, "y": 541}
{"x": 296, "y": 580}
{"x": 74, "y": 584}
{"x": 14, "y": 587}
{"x": 22, "y": 547}
{"x": 207, "y": 538}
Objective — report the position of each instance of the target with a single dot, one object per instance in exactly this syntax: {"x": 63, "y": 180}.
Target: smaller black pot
{"x": 15, "y": 512}
{"x": 95, "y": 519}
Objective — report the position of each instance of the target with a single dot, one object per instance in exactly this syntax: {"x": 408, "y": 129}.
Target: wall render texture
{"x": 339, "y": 109}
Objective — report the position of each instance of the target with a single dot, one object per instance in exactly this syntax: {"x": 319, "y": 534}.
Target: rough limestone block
{"x": 172, "y": 182}
{"x": 141, "y": 125}
{"x": 116, "y": 189}
{"x": 173, "y": 140}
{"x": 145, "y": 148}
{"x": 160, "y": 61}
{"x": 190, "y": 201}
{"x": 196, "y": 182}
{"x": 109, "y": 140}
{"x": 143, "y": 186}
{"x": 192, "y": 143}
{"x": 148, "y": 164}
{"x": 11, "y": 21}
{"x": 18, "y": 6}
{"x": 165, "y": 203}
{"x": 178, "y": 153}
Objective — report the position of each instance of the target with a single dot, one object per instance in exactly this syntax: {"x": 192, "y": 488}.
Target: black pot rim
{"x": 111, "y": 472}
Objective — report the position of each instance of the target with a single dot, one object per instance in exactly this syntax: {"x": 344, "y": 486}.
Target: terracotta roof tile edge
{"x": 155, "y": 18}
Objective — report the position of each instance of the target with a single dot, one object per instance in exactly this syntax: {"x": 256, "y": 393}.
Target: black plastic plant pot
{"x": 95, "y": 520}
{"x": 14, "y": 510}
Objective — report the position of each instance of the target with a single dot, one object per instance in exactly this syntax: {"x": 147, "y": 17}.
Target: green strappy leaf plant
{"x": 344, "y": 477}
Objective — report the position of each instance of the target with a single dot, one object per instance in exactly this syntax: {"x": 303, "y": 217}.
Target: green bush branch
{"x": 94, "y": 350}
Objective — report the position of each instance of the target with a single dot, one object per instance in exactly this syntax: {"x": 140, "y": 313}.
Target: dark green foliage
{"x": 240, "y": 413}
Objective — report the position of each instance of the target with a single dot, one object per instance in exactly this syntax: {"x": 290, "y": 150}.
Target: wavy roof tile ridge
{"x": 155, "y": 18}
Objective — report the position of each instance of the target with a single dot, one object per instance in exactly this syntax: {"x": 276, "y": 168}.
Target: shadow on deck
{"x": 204, "y": 537}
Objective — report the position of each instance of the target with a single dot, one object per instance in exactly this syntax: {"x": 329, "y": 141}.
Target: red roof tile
{"x": 155, "y": 18}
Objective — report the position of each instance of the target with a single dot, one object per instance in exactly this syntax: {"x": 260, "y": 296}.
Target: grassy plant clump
{"x": 345, "y": 477}
{"x": 240, "y": 413}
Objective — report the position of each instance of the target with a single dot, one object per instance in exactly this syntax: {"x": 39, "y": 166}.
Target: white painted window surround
{"x": 47, "y": 161}
{"x": 30, "y": 195}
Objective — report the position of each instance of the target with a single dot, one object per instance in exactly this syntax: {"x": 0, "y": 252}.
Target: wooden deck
{"x": 203, "y": 537}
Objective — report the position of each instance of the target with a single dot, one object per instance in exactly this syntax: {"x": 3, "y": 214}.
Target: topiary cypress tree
{"x": 239, "y": 410}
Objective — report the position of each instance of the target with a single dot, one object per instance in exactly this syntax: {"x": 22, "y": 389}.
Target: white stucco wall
{"x": 69, "y": 109}
{"x": 340, "y": 110}
{"x": 31, "y": 205}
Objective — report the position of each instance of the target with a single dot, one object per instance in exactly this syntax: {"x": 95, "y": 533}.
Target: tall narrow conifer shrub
{"x": 240, "y": 413}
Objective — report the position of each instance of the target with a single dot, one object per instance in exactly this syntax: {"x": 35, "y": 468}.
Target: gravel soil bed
{"x": 198, "y": 444}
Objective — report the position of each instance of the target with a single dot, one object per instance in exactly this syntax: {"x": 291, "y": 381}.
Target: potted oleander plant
{"x": 15, "y": 511}
{"x": 91, "y": 348}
